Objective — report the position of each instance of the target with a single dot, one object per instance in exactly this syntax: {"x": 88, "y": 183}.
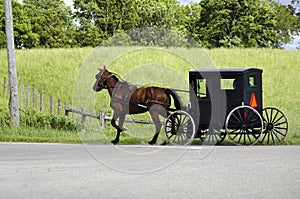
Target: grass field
{"x": 68, "y": 74}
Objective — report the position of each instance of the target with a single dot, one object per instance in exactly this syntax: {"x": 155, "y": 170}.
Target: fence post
{"x": 58, "y": 107}
{"x": 4, "y": 86}
{"x": 102, "y": 119}
{"x": 51, "y": 105}
{"x": 67, "y": 109}
{"x": 22, "y": 94}
{"x": 83, "y": 111}
{"x": 41, "y": 102}
{"x": 35, "y": 93}
{"x": 28, "y": 96}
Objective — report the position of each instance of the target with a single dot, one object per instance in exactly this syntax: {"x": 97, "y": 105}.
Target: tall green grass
{"x": 56, "y": 72}
{"x": 52, "y": 71}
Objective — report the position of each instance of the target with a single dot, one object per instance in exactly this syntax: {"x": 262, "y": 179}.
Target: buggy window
{"x": 228, "y": 84}
{"x": 252, "y": 81}
{"x": 201, "y": 88}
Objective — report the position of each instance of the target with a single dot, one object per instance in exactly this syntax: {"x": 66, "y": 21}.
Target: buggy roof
{"x": 227, "y": 71}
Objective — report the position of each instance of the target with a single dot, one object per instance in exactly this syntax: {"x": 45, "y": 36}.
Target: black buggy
{"x": 226, "y": 102}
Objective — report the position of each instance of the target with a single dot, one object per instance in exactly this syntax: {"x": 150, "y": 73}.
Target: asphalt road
{"x": 105, "y": 171}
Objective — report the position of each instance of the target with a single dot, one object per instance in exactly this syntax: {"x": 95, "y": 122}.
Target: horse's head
{"x": 101, "y": 79}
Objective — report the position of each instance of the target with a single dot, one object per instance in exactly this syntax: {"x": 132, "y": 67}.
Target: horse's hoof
{"x": 114, "y": 142}
{"x": 151, "y": 143}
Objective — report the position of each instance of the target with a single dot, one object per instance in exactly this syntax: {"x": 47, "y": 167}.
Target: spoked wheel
{"x": 244, "y": 125}
{"x": 213, "y": 136}
{"x": 275, "y": 126}
{"x": 180, "y": 128}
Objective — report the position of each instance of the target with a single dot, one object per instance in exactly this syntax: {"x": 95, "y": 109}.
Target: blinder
{"x": 101, "y": 82}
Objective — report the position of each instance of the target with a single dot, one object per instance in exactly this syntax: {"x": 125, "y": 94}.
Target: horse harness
{"x": 125, "y": 100}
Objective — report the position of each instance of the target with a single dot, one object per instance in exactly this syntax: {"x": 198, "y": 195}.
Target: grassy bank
{"x": 56, "y": 72}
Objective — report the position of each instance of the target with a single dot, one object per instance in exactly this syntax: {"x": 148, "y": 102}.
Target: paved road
{"x": 105, "y": 171}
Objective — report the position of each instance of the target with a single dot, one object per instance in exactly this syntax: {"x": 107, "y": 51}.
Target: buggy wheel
{"x": 275, "y": 126}
{"x": 244, "y": 125}
{"x": 213, "y": 137}
{"x": 180, "y": 128}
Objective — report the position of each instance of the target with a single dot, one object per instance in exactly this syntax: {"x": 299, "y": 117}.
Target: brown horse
{"x": 128, "y": 99}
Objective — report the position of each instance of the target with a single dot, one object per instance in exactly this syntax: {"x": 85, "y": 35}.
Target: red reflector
{"x": 253, "y": 101}
{"x": 245, "y": 115}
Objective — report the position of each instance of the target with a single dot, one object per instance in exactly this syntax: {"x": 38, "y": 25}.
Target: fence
{"x": 102, "y": 116}
{"x": 31, "y": 97}
{"x": 27, "y": 93}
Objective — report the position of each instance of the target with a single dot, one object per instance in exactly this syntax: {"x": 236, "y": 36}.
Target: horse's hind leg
{"x": 155, "y": 118}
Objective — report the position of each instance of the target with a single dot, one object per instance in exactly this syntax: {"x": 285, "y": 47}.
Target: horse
{"x": 128, "y": 99}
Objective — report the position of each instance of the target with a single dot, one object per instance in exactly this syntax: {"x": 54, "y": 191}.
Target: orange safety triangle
{"x": 253, "y": 101}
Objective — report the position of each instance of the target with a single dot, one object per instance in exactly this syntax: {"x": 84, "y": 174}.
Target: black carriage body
{"x": 216, "y": 92}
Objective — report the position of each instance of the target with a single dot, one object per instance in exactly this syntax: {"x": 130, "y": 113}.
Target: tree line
{"x": 210, "y": 23}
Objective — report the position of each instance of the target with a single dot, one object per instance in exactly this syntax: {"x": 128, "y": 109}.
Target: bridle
{"x": 102, "y": 83}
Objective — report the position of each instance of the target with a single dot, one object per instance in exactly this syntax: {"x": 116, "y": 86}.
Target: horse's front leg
{"x": 118, "y": 127}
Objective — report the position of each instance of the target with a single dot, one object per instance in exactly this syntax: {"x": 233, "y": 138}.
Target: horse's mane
{"x": 120, "y": 80}
{"x": 115, "y": 77}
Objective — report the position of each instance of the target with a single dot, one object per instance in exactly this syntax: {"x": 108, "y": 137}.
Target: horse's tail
{"x": 176, "y": 98}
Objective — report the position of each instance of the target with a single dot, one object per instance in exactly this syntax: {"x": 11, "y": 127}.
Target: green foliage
{"x": 212, "y": 23}
{"x": 40, "y": 23}
{"x": 52, "y": 21}
{"x": 235, "y": 23}
{"x": 33, "y": 118}
{"x": 23, "y": 33}
{"x": 189, "y": 18}
{"x": 108, "y": 18}
{"x": 103, "y": 17}
{"x": 153, "y": 13}
{"x": 288, "y": 22}
{"x": 2, "y": 25}
{"x": 150, "y": 37}
{"x": 23, "y": 29}
{"x": 4, "y": 113}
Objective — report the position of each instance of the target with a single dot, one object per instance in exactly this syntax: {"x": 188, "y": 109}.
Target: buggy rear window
{"x": 252, "y": 81}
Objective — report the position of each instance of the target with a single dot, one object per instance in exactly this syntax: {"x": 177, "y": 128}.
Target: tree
{"x": 158, "y": 13}
{"x": 52, "y": 21}
{"x": 85, "y": 14}
{"x": 295, "y": 4}
{"x": 104, "y": 18}
{"x": 109, "y": 17}
{"x": 2, "y": 26}
{"x": 189, "y": 18}
{"x": 288, "y": 23}
{"x": 241, "y": 23}
{"x": 24, "y": 37}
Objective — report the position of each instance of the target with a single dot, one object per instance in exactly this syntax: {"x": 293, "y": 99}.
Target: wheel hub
{"x": 269, "y": 127}
{"x": 244, "y": 127}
